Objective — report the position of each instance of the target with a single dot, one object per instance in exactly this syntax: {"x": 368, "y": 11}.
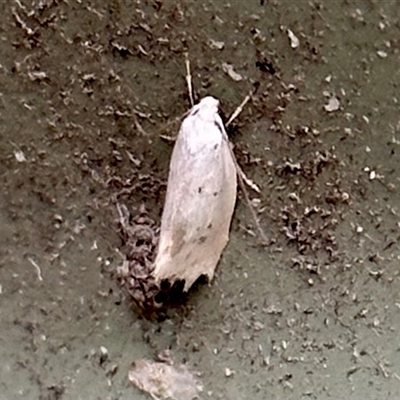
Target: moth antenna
{"x": 189, "y": 79}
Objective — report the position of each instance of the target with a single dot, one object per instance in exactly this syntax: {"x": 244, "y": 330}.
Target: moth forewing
{"x": 200, "y": 199}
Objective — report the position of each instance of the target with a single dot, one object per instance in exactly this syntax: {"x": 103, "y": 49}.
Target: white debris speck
{"x": 359, "y": 229}
{"x": 345, "y": 196}
{"x": 395, "y": 141}
{"x": 37, "y": 267}
{"x": 163, "y": 40}
{"x": 142, "y": 50}
{"x": 372, "y": 175}
{"x": 78, "y": 227}
{"x": 258, "y": 326}
{"x": 228, "y": 69}
{"x": 382, "y": 53}
{"x": 215, "y": 44}
{"x": 134, "y": 160}
{"x": 255, "y": 202}
{"x": 368, "y": 149}
{"x": 333, "y": 104}
{"x": 20, "y": 156}
{"x": 294, "y": 40}
{"x": 88, "y": 77}
{"x": 37, "y": 75}
{"x": 348, "y": 131}
{"x": 328, "y": 78}
{"x": 218, "y": 21}
{"x": 228, "y": 372}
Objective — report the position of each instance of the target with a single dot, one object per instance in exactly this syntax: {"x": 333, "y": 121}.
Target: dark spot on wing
{"x": 202, "y": 239}
{"x": 220, "y": 128}
{"x": 199, "y": 190}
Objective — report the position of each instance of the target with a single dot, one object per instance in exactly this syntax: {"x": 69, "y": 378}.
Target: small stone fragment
{"x": 20, "y": 156}
{"x": 163, "y": 381}
{"x": 333, "y": 104}
{"x": 215, "y": 45}
{"x": 228, "y": 69}
{"x": 294, "y": 40}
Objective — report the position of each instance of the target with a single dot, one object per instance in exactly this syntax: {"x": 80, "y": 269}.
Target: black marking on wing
{"x": 220, "y": 128}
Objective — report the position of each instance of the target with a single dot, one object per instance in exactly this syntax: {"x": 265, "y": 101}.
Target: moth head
{"x": 207, "y": 108}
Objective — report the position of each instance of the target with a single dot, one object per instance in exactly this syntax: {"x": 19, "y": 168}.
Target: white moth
{"x": 200, "y": 199}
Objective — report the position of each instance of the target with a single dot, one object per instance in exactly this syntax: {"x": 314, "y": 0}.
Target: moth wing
{"x": 199, "y": 204}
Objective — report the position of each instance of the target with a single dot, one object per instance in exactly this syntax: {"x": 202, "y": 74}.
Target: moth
{"x": 200, "y": 199}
